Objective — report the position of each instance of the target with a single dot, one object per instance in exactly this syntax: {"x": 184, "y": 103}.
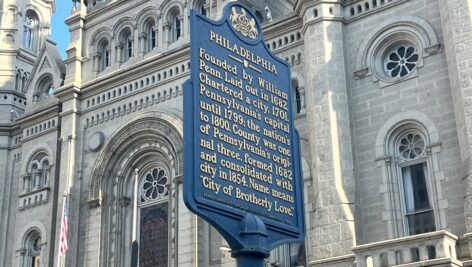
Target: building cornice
{"x": 38, "y": 115}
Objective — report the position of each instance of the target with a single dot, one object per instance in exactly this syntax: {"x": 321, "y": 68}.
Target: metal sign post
{"x": 241, "y": 161}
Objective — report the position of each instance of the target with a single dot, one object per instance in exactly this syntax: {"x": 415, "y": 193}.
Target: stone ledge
{"x": 346, "y": 260}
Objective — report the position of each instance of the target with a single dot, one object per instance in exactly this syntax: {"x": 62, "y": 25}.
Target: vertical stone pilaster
{"x": 75, "y": 50}
{"x": 328, "y": 118}
{"x": 69, "y": 180}
{"x": 456, "y": 19}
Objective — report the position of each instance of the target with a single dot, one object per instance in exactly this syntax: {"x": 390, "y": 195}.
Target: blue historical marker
{"x": 242, "y": 169}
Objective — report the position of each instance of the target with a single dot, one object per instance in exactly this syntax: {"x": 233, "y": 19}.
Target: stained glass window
{"x": 153, "y": 236}
{"x": 153, "y": 216}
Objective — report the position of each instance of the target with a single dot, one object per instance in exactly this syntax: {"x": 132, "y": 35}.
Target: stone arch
{"x": 30, "y": 157}
{"x": 27, "y": 229}
{"x": 403, "y": 118}
{"x": 97, "y": 36}
{"x": 149, "y": 139}
{"x": 170, "y": 7}
{"x": 35, "y": 10}
{"x": 198, "y": 4}
{"x": 42, "y": 85}
{"x": 391, "y": 163}
{"x": 160, "y": 124}
{"x": 299, "y": 78}
{"x": 414, "y": 26}
{"x": 144, "y": 15}
{"x": 121, "y": 25}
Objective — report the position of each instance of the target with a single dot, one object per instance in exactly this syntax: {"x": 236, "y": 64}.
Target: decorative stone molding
{"x": 389, "y": 166}
{"x": 397, "y": 30}
{"x": 434, "y": 49}
{"x": 362, "y": 73}
{"x": 162, "y": 126}
{"x": 96, "y": 141}
{"x": 33, "y": 198}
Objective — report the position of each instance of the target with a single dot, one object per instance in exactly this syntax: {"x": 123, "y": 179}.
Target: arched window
{"x": 38, "y": 173}
{"x": 45, "y": 88}
{"x": 104, "y": 54}
{"x": 407, "y": 150}
{"x": 129, "y": 48}
{"x": 127, "y": 42}
{"x": 30, "y": 25}
{"x": 151, "y": 35}
{"x": 175, "y": 23}
{"x": 176, "y": 28}
{"x": 411, "y": 157}
{"x": 201, "y": 6}
{"x": 203, "y": 10}
{"x": 153, "y": 218}
{"x": 152, "y": 38}
{"x": 32, "y": 246}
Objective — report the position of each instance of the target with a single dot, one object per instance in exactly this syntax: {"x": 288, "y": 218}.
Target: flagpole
{"x": 135, "y": 203}
{"x": 134, "y": 244}
{"x": 62, "y": 256}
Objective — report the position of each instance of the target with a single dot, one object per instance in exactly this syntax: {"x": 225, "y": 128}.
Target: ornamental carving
{"x": 158, "y": 126}
{"x": 241, "y": 23}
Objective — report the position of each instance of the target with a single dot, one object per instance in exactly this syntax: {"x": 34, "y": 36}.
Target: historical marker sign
{"x": 241, "y": 146}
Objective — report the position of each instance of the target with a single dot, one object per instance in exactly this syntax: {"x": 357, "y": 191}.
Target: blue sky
{"x": 59, "y": 31}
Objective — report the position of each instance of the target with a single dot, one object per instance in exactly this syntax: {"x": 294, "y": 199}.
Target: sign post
{"x": 242, "y": 170}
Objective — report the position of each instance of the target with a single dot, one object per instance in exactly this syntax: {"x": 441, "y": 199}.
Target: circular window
{"x": 411, "y": 146}
{"x": 154, "y": 185}
{"x": 400, "y": 61}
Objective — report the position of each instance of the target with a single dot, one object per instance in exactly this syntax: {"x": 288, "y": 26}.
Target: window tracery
{"x": 401, "y": 60}
{"x": 411, "y": 146}
{"x": 154, "y": 185}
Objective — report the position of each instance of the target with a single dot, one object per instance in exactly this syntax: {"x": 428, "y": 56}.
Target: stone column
{"x": 119, "y": 52}
{"x": 143, "y": 43}
{"x": 166, "y": 34}
{"x": 328, "y": 116}
{"x": 96, "y": 61}
{"x": 37, "y": 179}
{"x": 456, "y": 20}
{"x": 46, "y": 174}
{"x": 27, "y": 183}
{"x": 156, "y": 33}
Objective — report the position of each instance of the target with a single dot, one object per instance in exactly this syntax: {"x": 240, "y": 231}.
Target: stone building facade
{"x": 382, "y": 90}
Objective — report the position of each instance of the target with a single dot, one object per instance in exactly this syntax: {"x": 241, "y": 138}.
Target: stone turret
{"x": 25, "y": 27}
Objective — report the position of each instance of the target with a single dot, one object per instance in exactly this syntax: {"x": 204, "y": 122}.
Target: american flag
{"x": 63, "y": 236}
